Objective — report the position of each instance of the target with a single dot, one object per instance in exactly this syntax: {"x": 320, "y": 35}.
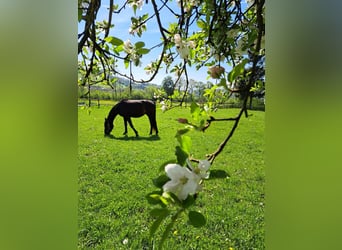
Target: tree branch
{"x": 156, "y": 12}
{"x": 260, "y": 25}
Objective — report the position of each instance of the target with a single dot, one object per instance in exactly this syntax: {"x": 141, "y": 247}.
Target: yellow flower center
{"x": 183, "y": 180}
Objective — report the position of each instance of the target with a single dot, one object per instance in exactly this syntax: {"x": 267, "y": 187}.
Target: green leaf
{"x": 201, "y": 24}
{"x": 80, "y": 12}
{"x": 182, "y": 131}
{"x": 188, "y": 201}
{"x": 195, "y": 110}
{"x": 169, "y": 196}
{"x": 143, "y": 51}
{"x": 114, "y": 40}
{"x": 196, "y": 219}
{"x": 181, "y": 156}
{"x": 169, "y": 227}
{"x": 186, "y": 143}
{"x": 237, "y": 70}
{"x": 126, "y": 62}
{"x": 164, "y": 201}
{"x": 223, "y": 83}
{"x": 157, "y": 198}
{"x": 139, "y": 45}
{"x": 210, "y": 92}
{"x": 160, "y": 181}
{"x": 119, "y": 49}
{"x": 153, "y": 198}
{"x": 157, "y": 212}
{"x": 161, "y": 214}
{"x": 144, "y": 17}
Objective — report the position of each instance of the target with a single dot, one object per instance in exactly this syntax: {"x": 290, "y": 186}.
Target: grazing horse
{"x": 128, "y": 109}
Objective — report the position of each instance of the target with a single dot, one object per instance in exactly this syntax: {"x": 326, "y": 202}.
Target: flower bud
{"x": 216, "y": 71}
{"x": 182, "y": 120}
{"x": 178, "y": 39}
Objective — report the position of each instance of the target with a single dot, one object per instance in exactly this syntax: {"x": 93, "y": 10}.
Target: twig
{"x": 213, "y": 119}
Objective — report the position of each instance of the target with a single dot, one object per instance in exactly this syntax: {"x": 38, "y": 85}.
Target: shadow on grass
{"x": 134, "y": 138}
{"x": 218, "y": 174}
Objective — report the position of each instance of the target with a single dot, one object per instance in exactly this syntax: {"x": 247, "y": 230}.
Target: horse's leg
{"x": 131, "y": 124}
{"x": 153, "y": 124}
{"x": 125, "y": 122}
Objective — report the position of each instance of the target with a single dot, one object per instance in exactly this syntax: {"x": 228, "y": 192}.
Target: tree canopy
{"x": 226, "y": 37}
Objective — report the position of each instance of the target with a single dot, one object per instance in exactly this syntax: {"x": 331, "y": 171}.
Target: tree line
{"x": 169, "y": 89}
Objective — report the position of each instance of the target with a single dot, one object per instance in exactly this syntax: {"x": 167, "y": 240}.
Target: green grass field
{"x": 116, "y": 173}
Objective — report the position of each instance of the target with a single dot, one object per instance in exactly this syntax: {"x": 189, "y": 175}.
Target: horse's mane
{"x": 113, "y": 112}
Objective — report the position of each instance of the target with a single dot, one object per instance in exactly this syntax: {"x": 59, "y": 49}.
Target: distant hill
{"x": 123, "y": 82}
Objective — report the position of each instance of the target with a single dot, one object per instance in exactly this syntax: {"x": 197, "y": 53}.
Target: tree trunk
{"x": 250, "y": 101}
{"x": 89, "y": 98}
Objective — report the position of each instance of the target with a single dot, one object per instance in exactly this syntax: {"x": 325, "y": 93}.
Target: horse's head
{"x": 108, "y": 127}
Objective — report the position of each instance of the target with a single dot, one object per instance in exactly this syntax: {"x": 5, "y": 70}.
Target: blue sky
{"x": 151, "y": 37}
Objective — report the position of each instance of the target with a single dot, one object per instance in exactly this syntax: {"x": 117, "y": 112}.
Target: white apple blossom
{"x": 128, "y": 47}
{"x": 183, "y": 181}
{"x": 183, "y": 51}
{"x": 132, "y": 31}
{"x": 187, "y": 4}
{"x": 163, "y": 106}
{"x": 192, "y": 44}
{"x": 206, "y": 108}
{"x": 182, "y": 47}
{"x": 178, "y": 40}
{"x": 138, "y": 3}
{"x": 149, "y": 69}
{"x": 136, "y": 58}
{"x": 201, "y": 169}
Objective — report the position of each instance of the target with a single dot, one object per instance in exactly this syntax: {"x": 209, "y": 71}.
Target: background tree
{"x": 168, "y": 85}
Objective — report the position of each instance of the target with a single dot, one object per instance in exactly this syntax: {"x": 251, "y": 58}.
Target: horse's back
{"x": 146, "y": 104}
{"x": 136, "y": 108}
{"x": 139, "y": 102}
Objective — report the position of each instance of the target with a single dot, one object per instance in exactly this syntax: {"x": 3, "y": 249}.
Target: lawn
{"x": 116, "y": 173}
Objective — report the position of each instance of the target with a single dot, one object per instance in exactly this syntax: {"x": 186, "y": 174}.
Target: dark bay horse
{"x": 131, "y": 108}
